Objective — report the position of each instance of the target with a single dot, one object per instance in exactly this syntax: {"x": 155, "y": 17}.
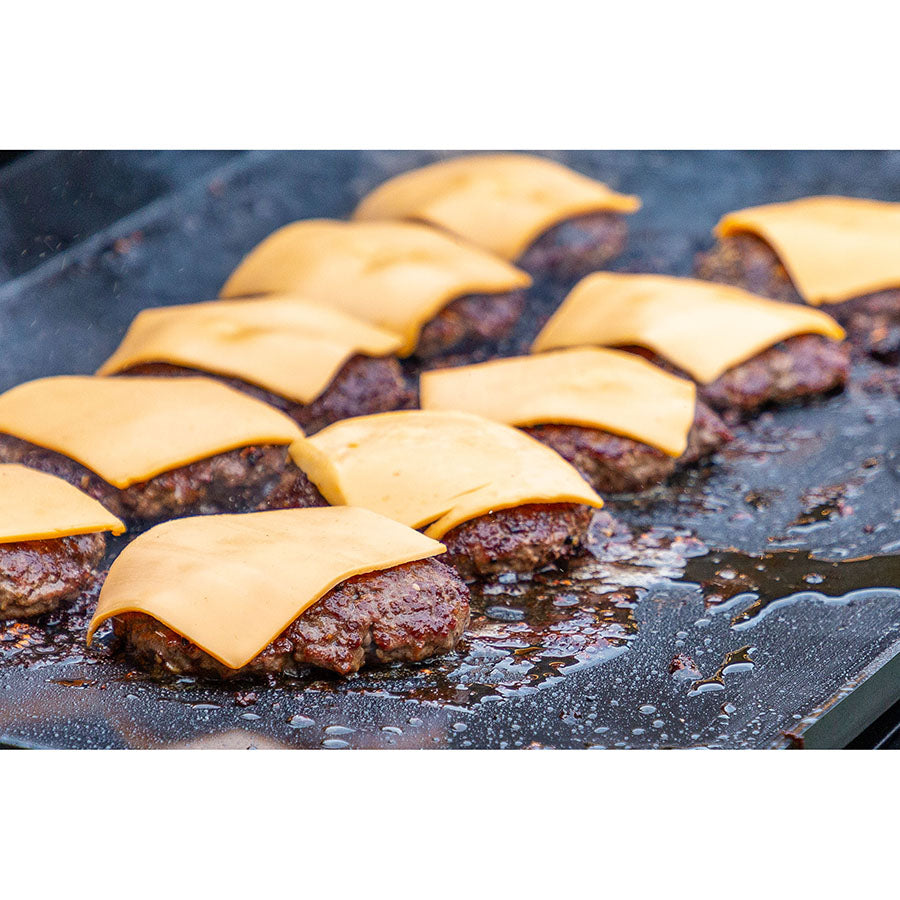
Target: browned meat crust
{"x": 470, "y": 322}
{"x": 614, "y": 464}
{"x": 576, "y": 247}
{"x": 241, "y": 480}
{"x": 36, "y": 577}
{"x": 404, "y": 614}
{"x": 521, "y": 539}
{"x": 364, "y": 385}
{"x": 872, "y": 321}
{"x": 797, "y": 369}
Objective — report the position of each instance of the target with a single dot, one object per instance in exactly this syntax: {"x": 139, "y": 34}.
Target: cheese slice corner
{"x": 128, "y": 430}
{"x": 502, "y": 202}
{"x": 232, "y": 583}
{"x": 702, "y": 327}
{"x": 396, "y": 275}
{"x": 436, "y": 470}
{"x": 37, "y": 506}
{"x": 834, "y": 248}
{"x": 591, "y": 387}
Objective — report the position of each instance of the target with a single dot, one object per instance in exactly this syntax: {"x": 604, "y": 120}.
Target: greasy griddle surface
{"x": 568, "y": 660}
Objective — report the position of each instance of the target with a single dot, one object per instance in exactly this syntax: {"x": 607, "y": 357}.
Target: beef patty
{"x": 364, "y": 385}
{"x": 796, "y": 369}
{"x": 470, "y": 322}
{"x": 403, "y": 614}
{"x": 614, "y": 464}
{"x": 872, "y": 321}
{"x": 521, "y": 539}
{"x": 242, "y": 480}
{"x": 575, "y": 247}
{"x": 36, "y": 577}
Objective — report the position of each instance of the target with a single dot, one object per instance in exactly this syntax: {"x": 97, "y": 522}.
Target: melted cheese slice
{"x": 34, "y": 506}
{"x": 606, "y": 389}
{"x": 703, "y": 328}
{"x": 231, "y": 584}
{"x": 834, "y": 248}
{"x": 129, "y": 429}
{"x": 289, "y": 346}
{"x": 397, "y": 275}
{"x": 436, "y": 468}
{"x": 502, "y": 202}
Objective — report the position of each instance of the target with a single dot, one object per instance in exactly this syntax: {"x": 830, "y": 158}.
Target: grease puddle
{"x": 729, "y": 579}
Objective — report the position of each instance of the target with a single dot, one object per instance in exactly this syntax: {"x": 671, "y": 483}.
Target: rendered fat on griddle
{"x": 231, "y": 584}
{"x": 128, "y": 430}
{"x": 702, "y": 327}
{"x": 396, "y": 275}
{"x": 436, "y": 470}
{"x": 501, "y": 202}
{"x": 834, "y": 248}
{"x": 287, "y": 345}
{"x": 594, "y": 388}
{"x": 36, "y": 506}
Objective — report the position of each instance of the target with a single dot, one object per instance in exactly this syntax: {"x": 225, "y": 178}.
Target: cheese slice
{"x": 502, "y": 202}
{"x": 702, "y": 327}
{"x": 834, "y": 248}
{"x": 231, "y": 584}
{"x": 35, "y": 506}
{"x": 396, "y": 275}
{"x": 607, "y": 389}
{"x": 129, "y": 429}
{"x": 436, "y": 468}
{"x": 286, "y": 345}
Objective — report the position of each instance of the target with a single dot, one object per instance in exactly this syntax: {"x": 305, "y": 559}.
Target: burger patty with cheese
{"x": 340, "y": 588}
{"x": 154, "y": 448}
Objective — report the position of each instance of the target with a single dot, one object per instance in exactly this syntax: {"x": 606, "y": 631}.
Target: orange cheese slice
{"x": 436, "y": 468}
{"x": 231, "y": 584}
{"x": 502, "y": 202}
{"x": 34, "y": 506}
{"x": 702, "y": 327}
{"x": 397, "y": 275}
{"x": 130, "y": 429}
{"x": 834, "y": 248}
{"x": 606, "y": 389}
{"x": 286, "y": 345}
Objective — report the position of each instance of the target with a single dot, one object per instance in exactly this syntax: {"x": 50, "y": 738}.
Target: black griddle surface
{"x": 776, "y": 572}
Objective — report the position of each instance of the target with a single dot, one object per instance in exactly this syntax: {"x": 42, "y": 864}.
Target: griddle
{"x": 752, "y": 603}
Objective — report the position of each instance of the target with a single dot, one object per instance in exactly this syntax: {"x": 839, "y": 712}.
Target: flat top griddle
{"x": 754, "y": 603}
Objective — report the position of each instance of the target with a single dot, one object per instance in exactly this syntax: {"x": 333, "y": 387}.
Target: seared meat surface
{"x": 364, "y": 385}
{"x": 36, "y": 577}
{"x": 407, "y": 613}
{"x": 576, "y": 247}
{"x": 521, "y": 539}
{"x": 241, "y": 480}
{"x": 614, "y": 464}
{"x": 469, "y": 322}
{"x": 797, "y": 369}
{"x": 745, "y": 260}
